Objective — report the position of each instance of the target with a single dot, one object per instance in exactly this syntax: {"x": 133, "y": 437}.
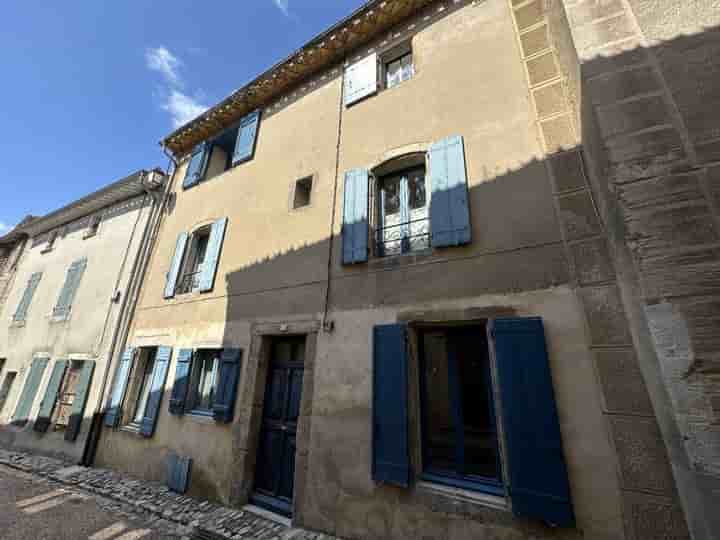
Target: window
{"x": 203, "y": 380}
{"x": 303, "y": 192}
{"x": 142, "y": 384}
{"x": 6, "y": 387}
{"x": 194, "y": 262}
{"x": 398, "y": 66}
{"x": 62, "y": 308}
{"x": 93, "y": 226}
{"x": 24, "y": 305}
{"x": 460, "y": 443}
{"x": 403, "y": 212}
{"x": 52, "y": 237}
{"x": 66, "y": 396}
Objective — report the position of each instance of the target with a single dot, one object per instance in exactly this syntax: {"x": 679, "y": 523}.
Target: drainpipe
{"x": 130, "y": 303}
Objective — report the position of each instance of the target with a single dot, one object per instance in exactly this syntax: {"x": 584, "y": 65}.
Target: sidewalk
{"x": 206, "y": 520}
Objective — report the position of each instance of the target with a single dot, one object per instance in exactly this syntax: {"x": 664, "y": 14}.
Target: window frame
{"x": 51, "y": 241}
{"x": 393, "y": 55}
{"x": 72, "y": 365}
{"x": 310, "y": 179}
{"x": 196, "y": 376}
{"x": 190, "y": 265}
{"x": 380, "y": 175}
{"x": 490, "y": 486}
{"x": 93, "y": 227}
{"x": 140, "y": 380}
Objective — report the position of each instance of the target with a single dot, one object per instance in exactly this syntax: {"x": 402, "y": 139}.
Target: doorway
{"x": 275, "y": 470}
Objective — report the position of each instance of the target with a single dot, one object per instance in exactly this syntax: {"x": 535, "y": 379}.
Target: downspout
{"x": 123, "y": 323}
{"x": 327, "y": 324}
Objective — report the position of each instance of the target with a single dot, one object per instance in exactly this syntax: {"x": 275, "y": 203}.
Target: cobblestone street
{"x": 44, "y": 498}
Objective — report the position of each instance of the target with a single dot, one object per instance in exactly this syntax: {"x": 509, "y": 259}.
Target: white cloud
{"x": 283, "y": 5}
{"x": 4, "y": 228}
{"x": 160, "y": 59}
{"x": 182, "y": 108}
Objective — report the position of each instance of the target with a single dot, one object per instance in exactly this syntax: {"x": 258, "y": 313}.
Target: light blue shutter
{"x": 113, "y": 413}
{"x": 247, "y": 137}
{"x": 226, "y": 389}
{"x": 67, "y": 294}
{"x": 81, "y": 394}
{"x": 539, "y": 487}
{"x": 212, "y": 255}
{"x": 157, "y": 387}
{"x": 32, "y": 384}
{"x": 22, "y": 309}
{"x": 183, "y": 369}
{"x": 175, "y": 265}
{"x": 355, "y": 217}
{"x": 361, "y": 79}
{"x": 449, "y": 210}
{"x": 198, "y": 164}
{"x": 47, "y": 405}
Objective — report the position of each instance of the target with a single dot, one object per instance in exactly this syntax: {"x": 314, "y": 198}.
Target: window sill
{"x": 17, "y": 324}
{"x": 496, "y": 502}
{"x": 399, "y": 259}
{"x": 204, "y": 417}
{"x": 131, "y": 428}
{"x": 89, "y": 235}
{"x": 55, "y": 319}
{"x": 46, "y": 250}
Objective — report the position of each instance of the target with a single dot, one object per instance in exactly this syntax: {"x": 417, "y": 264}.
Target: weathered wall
{"x": 650, "y": 84}
{"x": 88, "y": 332}
{"x": 536, "y": 237}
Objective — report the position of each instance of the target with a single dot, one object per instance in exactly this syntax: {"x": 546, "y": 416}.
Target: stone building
{"x": 66, "y": 311}
{"x": 445, "y": 272}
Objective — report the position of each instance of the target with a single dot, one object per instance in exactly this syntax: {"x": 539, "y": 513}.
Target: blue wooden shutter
{"x": 178, "y": 472}
{"x": 246, "y": 138}
{"x": 390, "y": 457}
{"x": 22, "y": 309}
{"x": 183, "y": 369}
{"x": 176, "y": 265}
{"x": 212, "y": 255}
{"x": 67, "y": 294}
{"x": 32, "y": 383}
{"x": 198, "y": 164}
{"x": 361, "y": 79}
{"x": 81, "y": 394}
{"x": 538, "y": 482}
{"x": 47, "y": 405}
{"x": 449, "y": 210}
{"x": 157, "y": 387}
{"x": 355, "y": 217}
{"x": 113, "y": 413}
{"x": 226, "y": 389}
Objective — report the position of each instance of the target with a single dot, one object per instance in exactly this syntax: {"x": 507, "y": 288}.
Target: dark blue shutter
{"x": 113, "y": 413}
{"x": 69, "y": 290}
{"x": 157, "y": 387}
{"x": 22, "y": 309}
{"x": 183, "y": 369}
{"x": 226, "y": 389}
{"x": 176, "y": 265}
{"x": 355, "y": 217}
{"x": 538, "y": 482}
{"x": 47, "y": 405}
{"x": 247, "y": 136}
{"x": 178, "y": 472}
{"x": 32, "y": 384}
{"x": 449, "y": 210}
{"x": 212, "y": 255}
{"x": 390, "y": 456}
{"x": 81, "y": 394}
{"x": 198, "y": 164}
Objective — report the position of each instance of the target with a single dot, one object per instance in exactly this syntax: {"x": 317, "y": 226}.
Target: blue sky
{"x": 89, "y": 87}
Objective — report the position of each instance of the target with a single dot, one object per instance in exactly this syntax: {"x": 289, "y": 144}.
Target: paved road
{"x": 33, "y": 508}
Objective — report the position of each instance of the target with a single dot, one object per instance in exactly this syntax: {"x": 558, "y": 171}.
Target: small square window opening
{"x": 303, "y": 193}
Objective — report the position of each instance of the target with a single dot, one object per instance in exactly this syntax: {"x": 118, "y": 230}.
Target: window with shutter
{"x": 74, "y": 398}
{"x": 183, "y": 370}
{"x": 6, "y": 387}
{"x": 30, "y": 390}
{"x": 113, "y": 411}
{"x": 246, "y": 138}
{"x": 197, "y": 165}
{"x": 22, "y": 309}
{"x": 67, "y": 294}
{"x": 449, "y": 208}
{"x": 355, "y": 217}
{"x": 176, "y": 265}
{"x": 228, "y": 375}
{"x": 152, "y": 398}
{"x": 49, "y": 402}
{"x": 361, "y": 79}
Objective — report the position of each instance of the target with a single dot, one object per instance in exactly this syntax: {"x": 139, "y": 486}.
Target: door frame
{"x": 252, "y": 399}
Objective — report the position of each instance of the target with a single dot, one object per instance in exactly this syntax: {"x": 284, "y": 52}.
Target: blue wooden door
{"x": 275, "y": 473}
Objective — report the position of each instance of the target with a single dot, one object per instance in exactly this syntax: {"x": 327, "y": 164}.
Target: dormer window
{"x": 93, "y": 226}
{"x": 52, "y": 237}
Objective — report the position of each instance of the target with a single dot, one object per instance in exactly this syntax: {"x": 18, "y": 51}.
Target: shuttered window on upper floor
{"x": 65, "y": 301}
{"x": 232, "y": 147}
{"x": 27, "y": 297}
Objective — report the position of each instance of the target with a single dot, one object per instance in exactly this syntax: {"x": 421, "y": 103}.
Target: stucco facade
{"x": 108, "y": 230}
